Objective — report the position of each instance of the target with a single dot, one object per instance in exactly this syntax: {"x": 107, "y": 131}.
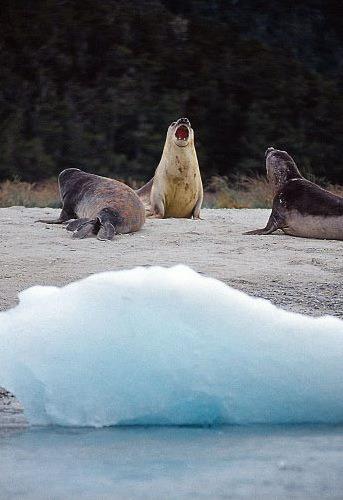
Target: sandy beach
{"x": 301, "y": 275}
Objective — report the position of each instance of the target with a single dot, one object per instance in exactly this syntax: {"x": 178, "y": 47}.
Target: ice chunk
{"x": 167, "y": 346}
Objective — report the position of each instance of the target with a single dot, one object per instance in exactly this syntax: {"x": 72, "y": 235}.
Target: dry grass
{"x": 335, "y": 188}
{"x": 18, "y": 193}
{"x": 243, "y": 192}
{"x": 220, "y": 192}
{"x": 40, "y": 194}
{"x": 246, "y": 192}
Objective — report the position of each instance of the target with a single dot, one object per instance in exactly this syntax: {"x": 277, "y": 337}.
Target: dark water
{"x": 297, "y": 462}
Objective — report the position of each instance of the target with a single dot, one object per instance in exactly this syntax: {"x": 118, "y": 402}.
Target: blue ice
{"x": 167, "y": 346}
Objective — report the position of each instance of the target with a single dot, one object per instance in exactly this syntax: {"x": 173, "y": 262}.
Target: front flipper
{"x": 197, "y": 208}
{"x": 51, "y": 221}
{"x": 85, "y": 229}
{"x": 157, "y": 203}
{"x": 149, "y": 213}
{"x": 261, "y": 231}
{"x": 64, "y": 217}
{"x": 275, "y": 222}
{"x": 158, "y": 210}
{"x": 106, "y": 232}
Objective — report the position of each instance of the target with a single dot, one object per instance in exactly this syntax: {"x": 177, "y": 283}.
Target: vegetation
{"x": 16, "y": 193}
{"x": 241, "y": 192}
{"x": 94, "y": 85}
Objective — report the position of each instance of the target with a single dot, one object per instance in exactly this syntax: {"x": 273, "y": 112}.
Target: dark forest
{"x": 95, "y": 84}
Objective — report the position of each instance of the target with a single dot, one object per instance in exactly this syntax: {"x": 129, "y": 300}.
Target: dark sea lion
{"x": 176, "y": 188}
{"x": 300, "y": 207}
{"x": 100, "y": 205}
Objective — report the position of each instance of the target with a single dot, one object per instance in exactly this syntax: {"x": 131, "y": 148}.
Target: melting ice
{"x": 167, "y": 346}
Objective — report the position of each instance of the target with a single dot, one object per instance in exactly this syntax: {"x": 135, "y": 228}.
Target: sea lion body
{"x": 310, "y": 211}
{"x": 100, "y": 205}
{"x": 300, "y": 207}
{"x": 176, "y": 189}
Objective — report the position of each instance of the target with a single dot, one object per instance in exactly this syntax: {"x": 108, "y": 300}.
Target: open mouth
{"x": 182, "y": 133}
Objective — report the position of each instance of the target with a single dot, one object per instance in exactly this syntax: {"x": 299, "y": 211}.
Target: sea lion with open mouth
{"x": 300, "y": 207}
{"x": 176, "y": 188}
{"x": 100, "y": 205}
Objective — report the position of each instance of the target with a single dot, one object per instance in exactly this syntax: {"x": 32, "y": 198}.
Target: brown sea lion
{"x": 176, "y": 188}
{"x": 300, "y": 207}
{"x": 100, "y": 205}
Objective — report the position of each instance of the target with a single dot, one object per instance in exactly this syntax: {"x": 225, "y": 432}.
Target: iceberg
{"x": 167, "y": 346}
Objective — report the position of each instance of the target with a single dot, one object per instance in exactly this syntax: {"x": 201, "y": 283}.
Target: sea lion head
{"x": 181, "y": 133}
{"x": 280, "y": 167}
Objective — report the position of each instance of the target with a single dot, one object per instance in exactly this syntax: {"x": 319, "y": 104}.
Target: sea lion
{"x": 176, "y": 188}
{"x": 100, "y": 205}
{"x": 300, "y": 207}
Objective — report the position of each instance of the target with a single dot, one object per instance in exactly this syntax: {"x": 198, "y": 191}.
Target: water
{"x": 255, "y": 462}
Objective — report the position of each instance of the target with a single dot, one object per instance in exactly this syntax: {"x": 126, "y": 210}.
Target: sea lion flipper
{"x": 84, "y": 229}
{"x": 50, "y": 221}
{"x": 275, "y": 222}
{"x": 157, "y": 204}
{"x": 145, "y": 191}
{"x": 65, "y": 215}
{"x": 75, "y": 224}
{"x": 106, "y": 232}
{"x": 196, "y": 210}
{"x": 260, "y": 231}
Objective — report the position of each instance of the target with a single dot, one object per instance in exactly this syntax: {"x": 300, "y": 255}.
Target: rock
{"x": 11, "y": 411}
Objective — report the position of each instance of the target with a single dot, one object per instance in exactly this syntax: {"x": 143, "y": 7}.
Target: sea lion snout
{"x": 183, "y": 120}
{"x": 280, "y": 168}
{"x": 182, "y": 131}
{"x": 269, "y": 150}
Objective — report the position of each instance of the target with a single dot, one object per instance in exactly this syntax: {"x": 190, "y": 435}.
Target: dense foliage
{"x": 94, "y": 84}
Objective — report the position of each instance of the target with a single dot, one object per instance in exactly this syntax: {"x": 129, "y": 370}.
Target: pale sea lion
{"x": 300, "y": 207}
{"x": 176, "y": 188}
{"x": 100, "y": 205}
